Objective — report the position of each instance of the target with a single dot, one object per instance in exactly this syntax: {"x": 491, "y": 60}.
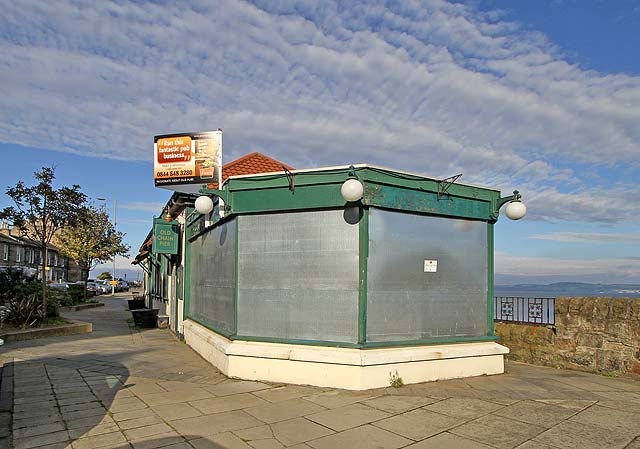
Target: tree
{"x": 41, "y": 211}
{"x": 105, "y": 275}
{"x": 92, "y": 240}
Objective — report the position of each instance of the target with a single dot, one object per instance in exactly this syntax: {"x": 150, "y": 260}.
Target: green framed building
{"x": 286, "y": 281}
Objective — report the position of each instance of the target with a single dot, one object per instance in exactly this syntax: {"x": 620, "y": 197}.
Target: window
{"x": 19, "y": 254}
{"x": 5, "y": 252}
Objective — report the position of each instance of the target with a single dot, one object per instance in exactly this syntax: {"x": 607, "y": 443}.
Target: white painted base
{"x": 351, "y": 369}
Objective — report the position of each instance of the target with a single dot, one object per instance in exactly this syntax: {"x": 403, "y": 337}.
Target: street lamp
{"x": 352, "y": 189}
{"x": 115, "y": 209}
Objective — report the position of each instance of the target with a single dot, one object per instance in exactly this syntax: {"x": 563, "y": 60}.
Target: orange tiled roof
{"x": 251, "y": 164}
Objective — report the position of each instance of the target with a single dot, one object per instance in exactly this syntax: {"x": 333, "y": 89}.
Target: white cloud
{"x": 508, "y": 264}
{"x": 424, "y": 86}
{"x": 587, "y": 237}
{"x": 143, "y": 206}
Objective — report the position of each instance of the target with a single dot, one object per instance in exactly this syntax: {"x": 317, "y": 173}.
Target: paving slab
{"x": 497, "y": 431}
{"x": 90, "y": 431}
{"x": 281, "y": 411}
{"x": 364, "y": 437}
{"x": 217, "y": 423}
{"x": 575, "y": 435}
{"x": 225, "y": 440}
{"x": 255, "y": 433}
{"x": 446, "y": 440}
{"x": 398, "y": 404}
{"x": 536, "y": 412}
{"x": 270, "y": 443}
{"x": 284, "y": 393}
{"x": 349, "y": 416}
{"x": 40, "y": 440}
{"x": 181, "y": 410}
{"x": 231, "y": 386}
{"x": 298, "y": 430}
{"x": 157, "y": 441}
{"x": 418, "y": 424}
{"x": 339, "y": 398}
{"x": 227, "y": 403}
{"x": 121, "y": 387}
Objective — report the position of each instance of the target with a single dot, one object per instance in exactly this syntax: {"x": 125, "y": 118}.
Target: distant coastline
{"x": 558, "y": 289}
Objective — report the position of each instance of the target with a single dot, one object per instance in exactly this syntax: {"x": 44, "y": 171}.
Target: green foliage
{"x": 395, "y": 380}
{"x": 92, "y": 240}
{"x": 61, "y": 298}
{"x": 40, "y": 211}
{"x": 76, "y": 293}
{"x": 105, "y": 275}
{"x": 19, "y": 298}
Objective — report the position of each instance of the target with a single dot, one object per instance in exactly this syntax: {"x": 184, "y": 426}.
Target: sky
{"x": 543, "y": 97}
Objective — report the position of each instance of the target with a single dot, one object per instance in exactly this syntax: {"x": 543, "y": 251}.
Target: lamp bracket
{"x": 502, "y": 201}
{"x": 444, "y": 184}
{"x": 144, "y": 267}
{"x": 223, "y": 194}
{"x": 352, "y": 172}
{"x": 290, "y": 178}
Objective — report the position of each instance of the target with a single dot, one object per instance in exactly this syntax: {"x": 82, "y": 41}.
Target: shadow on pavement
{"x": 84, "y": 401}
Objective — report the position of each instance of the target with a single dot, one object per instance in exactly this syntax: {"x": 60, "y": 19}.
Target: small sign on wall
{"x": 430, "y": 266}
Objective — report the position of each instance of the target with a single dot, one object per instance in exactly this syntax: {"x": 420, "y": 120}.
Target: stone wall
{"x": 593, "y": 334}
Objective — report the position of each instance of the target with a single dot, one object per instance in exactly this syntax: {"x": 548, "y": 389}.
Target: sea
{"x": 574, "y": 289}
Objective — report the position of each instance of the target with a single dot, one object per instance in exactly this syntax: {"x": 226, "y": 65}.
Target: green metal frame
{"x": 320, "y": 190}
{"x": 236, "y": 281}
{"x": 226, "y": 334}
{"x": 490, "y": 268}
{"x": 339, "y": 344}
{"x": 363, "y": 252}
{"x": 383, "y": 188}
{"x": 501, "y": 201}
{"x": 187, "y": 272}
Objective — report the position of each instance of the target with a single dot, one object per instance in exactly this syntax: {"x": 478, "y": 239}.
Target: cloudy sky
{"x": 545, "y": 99}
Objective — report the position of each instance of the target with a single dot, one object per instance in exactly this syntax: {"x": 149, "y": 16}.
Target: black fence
{"x": 518, "y": 309}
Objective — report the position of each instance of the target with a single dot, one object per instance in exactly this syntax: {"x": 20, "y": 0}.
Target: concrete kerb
{"x": 72, "y": 328}
{"x": 79, "y": 307}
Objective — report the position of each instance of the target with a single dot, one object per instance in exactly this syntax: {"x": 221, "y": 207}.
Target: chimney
{"x": 4, "y": 228}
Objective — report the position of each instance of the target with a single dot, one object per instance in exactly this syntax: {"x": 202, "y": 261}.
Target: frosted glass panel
{"x": 407, "y": 300}
{"x": 298, "y": 276}
{"x": 213, "y": 277}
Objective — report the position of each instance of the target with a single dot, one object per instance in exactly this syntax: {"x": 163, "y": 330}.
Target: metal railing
{"x": 519, "y": 309}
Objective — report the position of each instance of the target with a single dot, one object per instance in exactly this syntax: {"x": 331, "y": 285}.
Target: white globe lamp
{"x": 352, "y": 190}
{"x": 204, "y": 205}
{"x": 515, "y": 210}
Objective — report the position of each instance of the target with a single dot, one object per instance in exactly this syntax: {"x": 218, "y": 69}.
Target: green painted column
{"x": 363, "y": 251}
{"x": 490, "y": 275}
{"x": 236, "y": 286}
{"x": 187, "y": 269}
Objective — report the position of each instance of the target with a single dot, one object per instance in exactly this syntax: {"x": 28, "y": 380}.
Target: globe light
{"x": 515, "y": 210}
{"x": 352, "y": 190}
{"x": 204, "y": 204}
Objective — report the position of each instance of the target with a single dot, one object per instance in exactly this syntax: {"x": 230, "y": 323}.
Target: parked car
{"x": 123, "y": 286}
{"x": 91, "y": 287}
{"x": 62, "y": 286}
{"x": 104, "y": 285}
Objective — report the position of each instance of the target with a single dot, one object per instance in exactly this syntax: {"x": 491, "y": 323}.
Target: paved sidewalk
{"x": 124, "y": 388}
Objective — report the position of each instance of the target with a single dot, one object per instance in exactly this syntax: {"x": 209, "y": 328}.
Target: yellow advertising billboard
{"x": 187, "y": 158}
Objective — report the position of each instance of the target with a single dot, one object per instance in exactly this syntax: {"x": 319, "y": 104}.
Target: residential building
{"x": 19, "y": 252}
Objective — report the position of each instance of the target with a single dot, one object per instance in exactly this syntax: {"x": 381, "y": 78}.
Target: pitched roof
{"x": 251, "y": 164}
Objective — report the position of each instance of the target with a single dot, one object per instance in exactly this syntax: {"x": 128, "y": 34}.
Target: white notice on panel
{"x": 430, "y": 266}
